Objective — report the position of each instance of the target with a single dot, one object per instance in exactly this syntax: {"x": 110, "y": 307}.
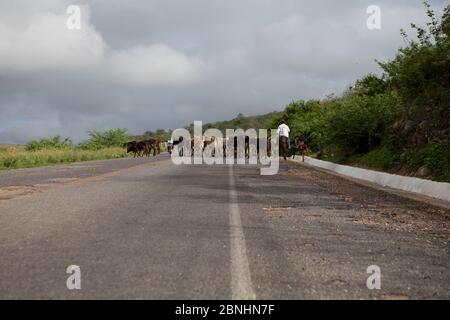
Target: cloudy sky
{"x": 148, "y": 64}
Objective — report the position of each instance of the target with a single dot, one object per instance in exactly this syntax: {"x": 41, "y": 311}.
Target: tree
{"x": 105, "y": 139}
{"x": 420, "y": 75}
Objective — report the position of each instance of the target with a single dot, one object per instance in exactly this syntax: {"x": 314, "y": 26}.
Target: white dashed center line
{"x": 241, "y": 283}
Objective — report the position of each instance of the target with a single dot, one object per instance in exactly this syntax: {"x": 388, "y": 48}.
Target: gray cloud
{"x": 162, "y": 64}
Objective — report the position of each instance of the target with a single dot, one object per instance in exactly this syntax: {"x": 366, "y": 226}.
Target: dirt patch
{"x": 8, "y": 193}
{"x": 63, "y": 180}
{"x": 394, "y": 297}
{"x": 276, "y": 209}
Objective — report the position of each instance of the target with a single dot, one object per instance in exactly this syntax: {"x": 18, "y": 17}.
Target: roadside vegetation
{"x": 14, "y": 158}
{"x": 398, "y": 122}
{"x": 101, "y": 145}
{"x": 57, "y": 150}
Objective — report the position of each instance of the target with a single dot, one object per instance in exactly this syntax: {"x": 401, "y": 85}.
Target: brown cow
{"x": 132, "y": 146}
{"x": 149, "y": 145}
{"x": 301, "y": 147}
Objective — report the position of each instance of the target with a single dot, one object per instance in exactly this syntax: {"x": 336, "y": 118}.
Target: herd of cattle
{"x": 147, "y": 147}
{"x": 144, "y": 148}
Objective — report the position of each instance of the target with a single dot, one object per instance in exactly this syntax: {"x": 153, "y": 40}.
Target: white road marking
{"x": 241, "y": 283}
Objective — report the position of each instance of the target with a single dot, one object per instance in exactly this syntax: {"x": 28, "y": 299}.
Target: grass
{"x": 15, "y": 156}
{"x": 435, "y": 158}
{"x": 383, "y": 159}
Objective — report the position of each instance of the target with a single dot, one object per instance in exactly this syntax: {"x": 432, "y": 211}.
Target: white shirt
{"x": 283, "y": 130}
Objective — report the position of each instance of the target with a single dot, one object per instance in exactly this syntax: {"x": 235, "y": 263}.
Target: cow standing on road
{"x": 133, "y": 147}
{"x": 301, "y": 147}
{"x": 151, "y": 145}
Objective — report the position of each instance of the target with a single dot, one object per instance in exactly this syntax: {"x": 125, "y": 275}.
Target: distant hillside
{"x": 159, "y": 134}
{"x": 244, "y": 122}
{"x": 264, "y": 121}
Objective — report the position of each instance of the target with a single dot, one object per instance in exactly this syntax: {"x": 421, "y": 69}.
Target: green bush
{"x": 438, "y": 160}
{"x": 341, "y": 127}
{"x": 420, "y": 75}
{"x": 105, "y": 139}
{"x": 358, "y": 123}
{"x": 56, "y": 142}
{"x": 381, "y": 158}
{"x": 436, "y": 157}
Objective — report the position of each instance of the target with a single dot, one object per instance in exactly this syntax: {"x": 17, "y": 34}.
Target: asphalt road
{"x": 145, "y": 228}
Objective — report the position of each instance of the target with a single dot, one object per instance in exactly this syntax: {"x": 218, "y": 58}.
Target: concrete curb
{"x": 438, "y": 190}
